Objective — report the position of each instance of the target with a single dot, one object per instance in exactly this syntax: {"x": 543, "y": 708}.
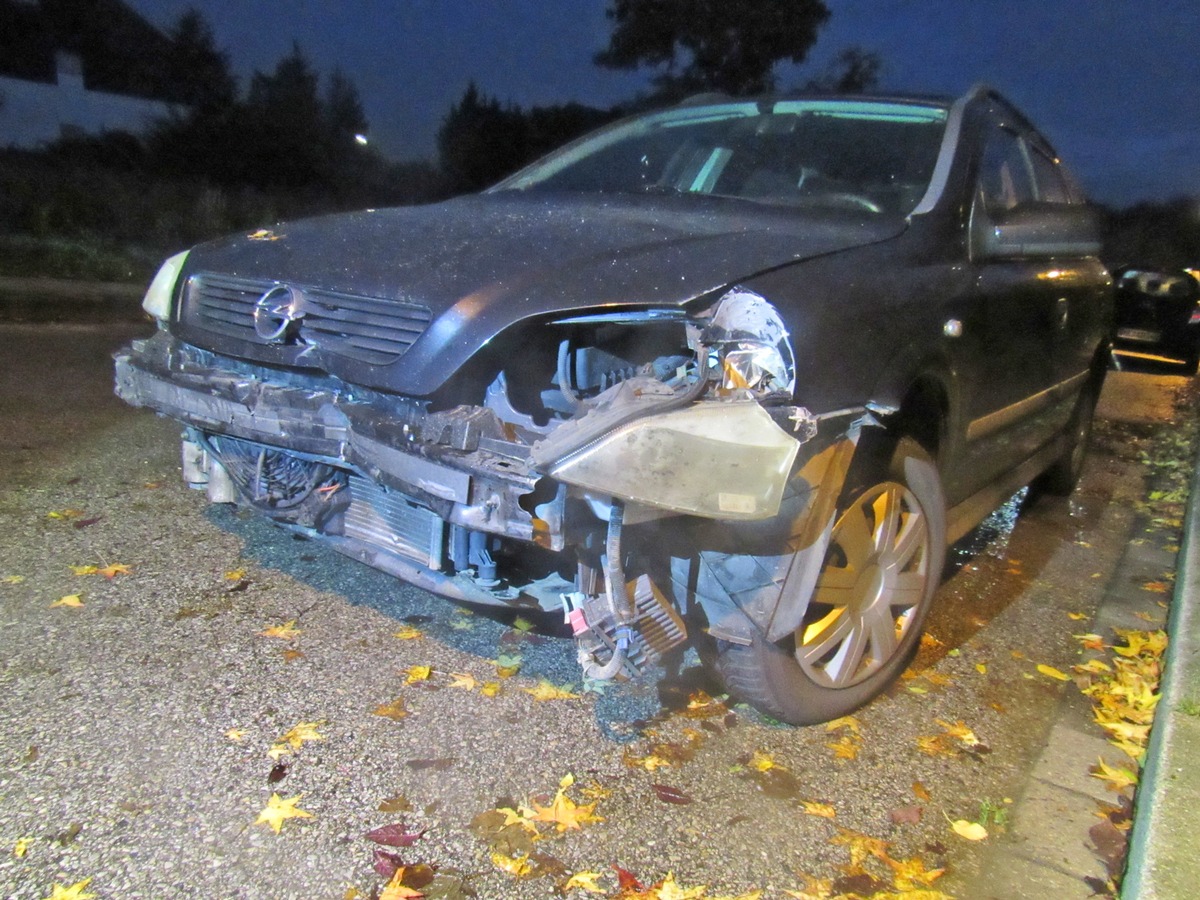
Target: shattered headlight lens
{"x": 157, "y": 301}
{"x": 751, "y": 343}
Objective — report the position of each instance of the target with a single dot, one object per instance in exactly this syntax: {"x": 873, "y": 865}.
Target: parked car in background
{"x": 738, "y": 370}
{"x": 1158, "y": 313}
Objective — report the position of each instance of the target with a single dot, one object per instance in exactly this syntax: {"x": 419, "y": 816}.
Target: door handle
{"x": 1062, "y": 311}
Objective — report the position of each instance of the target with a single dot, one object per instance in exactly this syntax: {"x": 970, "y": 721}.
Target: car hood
{"x": 483, "y": 263}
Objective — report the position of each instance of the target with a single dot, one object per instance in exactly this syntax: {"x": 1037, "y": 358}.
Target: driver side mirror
{"x": 1037, "y": 229}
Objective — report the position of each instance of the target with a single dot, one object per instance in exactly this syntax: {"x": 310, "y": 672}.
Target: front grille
{"x": 366, "y": 329}
{"x": 388, "y": 521}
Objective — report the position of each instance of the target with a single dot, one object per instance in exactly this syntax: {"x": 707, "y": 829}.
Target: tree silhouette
{"x": 852, "y": 71}
{"x": 200, "y": 72}
{"x": 711, "y": 45}
{"x": 285, "y": 137}
{"x": 480, "y": 141}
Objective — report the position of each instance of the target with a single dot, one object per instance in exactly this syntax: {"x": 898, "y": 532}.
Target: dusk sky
{"x": 1115, "y": 84}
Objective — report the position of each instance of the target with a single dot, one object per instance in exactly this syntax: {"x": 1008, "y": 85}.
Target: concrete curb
{"x": 63, "y": 300}
{"x": 1163, "y": 863}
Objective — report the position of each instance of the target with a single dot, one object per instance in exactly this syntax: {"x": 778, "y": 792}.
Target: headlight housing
{"x": 751, "y": 344}
{"x": 157, "y": 301}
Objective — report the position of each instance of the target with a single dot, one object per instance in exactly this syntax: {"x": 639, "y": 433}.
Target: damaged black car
{"x": 734, "y": 371}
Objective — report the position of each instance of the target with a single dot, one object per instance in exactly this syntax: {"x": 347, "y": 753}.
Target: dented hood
{"x": 485, "y": 262}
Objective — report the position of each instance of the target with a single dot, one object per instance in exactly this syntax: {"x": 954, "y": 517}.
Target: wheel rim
{"x": 872, "y": 584}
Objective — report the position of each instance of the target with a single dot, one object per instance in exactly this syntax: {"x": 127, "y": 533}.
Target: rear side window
{"x": 1004, "y": 177}
{"x": 1051, "y": 186}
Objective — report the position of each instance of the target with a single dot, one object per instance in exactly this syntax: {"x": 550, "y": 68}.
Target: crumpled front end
{"x": 536, "y": 478}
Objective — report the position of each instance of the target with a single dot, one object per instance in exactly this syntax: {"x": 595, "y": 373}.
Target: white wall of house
{"x": 34, "y": 113}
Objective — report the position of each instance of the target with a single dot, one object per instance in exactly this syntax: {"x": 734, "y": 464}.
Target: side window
{"x": 1004, "y": 177}
{"x": 1051, "y": 187}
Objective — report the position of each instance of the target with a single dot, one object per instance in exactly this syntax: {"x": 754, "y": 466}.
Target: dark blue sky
{"x": 1114, "y": 83}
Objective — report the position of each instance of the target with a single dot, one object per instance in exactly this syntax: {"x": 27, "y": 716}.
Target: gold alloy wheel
{"x": 872, "y": 582}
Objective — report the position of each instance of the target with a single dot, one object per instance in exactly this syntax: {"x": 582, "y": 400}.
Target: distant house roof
{"x": 119, "y": 51}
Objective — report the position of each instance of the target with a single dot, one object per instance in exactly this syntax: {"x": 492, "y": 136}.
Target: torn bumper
{"x": 466, "y": 478}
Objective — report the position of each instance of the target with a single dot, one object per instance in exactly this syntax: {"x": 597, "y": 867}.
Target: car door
{"x": 1012, "y": 412}
{"x": 1080, "y": 287}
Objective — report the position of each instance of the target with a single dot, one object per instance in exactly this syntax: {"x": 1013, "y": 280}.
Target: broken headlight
{"x": 157, "y": 301}
{"x": 749, "y": 341}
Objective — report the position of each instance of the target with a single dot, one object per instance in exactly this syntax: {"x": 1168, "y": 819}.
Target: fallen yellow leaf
{"x": 846, "y": 748}
{"x": 413, "y": 674}
{"x": 910, "y": 875}
{"x": 408, "y": 633}
{"x": 394, "y": 710}
{"x": 669, "y": 889}
{"x": 1115, "y": 778}
{"x": 235, "y": 734}
{"x": 844, "y": 722}
{"x": 74, "y": 892}
{"x": 516, "y": 866}
{"x": 278, "y": 810}
{"x": 861, "y": 845}
{"x": 935, "y": 745}
{"x": 84, "y": 570}
{"x": 295, "y": 737}
{"x": 22, "y": 847}
{"x": 972, "y": 831}
{"x": 1051, "y": 672}
{"x": 71, "y": 600}
{"x": 115, "y": 569}
{"x": 12, "y": 579}
{"x": 824, "y": 810}
{"x": 583, "y": 881}
{"x": 396, "y": 889}
{"x": 547, "y": 691}
{"x": 959, "y": 731}
{"x": 286, "y": 631}
{"x": 564, "y": 813}
{"x": 463, "y": 681}
{"x": 762, "y": 761}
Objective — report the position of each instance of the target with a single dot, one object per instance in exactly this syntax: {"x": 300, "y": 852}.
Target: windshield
{"x": 864, "y": 155}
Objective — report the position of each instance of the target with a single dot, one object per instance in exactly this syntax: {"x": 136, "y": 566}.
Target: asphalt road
{"x": 137, "y": 729}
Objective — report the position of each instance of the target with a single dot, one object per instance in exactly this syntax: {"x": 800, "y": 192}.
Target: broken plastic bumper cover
{"x": 716, "y": 459}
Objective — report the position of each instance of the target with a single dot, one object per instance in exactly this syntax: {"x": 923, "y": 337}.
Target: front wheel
{"x": 866, "y": 612}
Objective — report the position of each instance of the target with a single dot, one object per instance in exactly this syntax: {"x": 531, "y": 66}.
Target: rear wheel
{"x": 1060, "y": 479}
{"x": 864, "y": 619}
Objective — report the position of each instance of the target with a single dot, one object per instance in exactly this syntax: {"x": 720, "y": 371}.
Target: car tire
{"x": 1061, "y": 478}
{"x": 864, "y": 620}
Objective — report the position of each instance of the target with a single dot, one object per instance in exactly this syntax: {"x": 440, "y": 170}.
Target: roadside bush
{"x": 99, "y": 221}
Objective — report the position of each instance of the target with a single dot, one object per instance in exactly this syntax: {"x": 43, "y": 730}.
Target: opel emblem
{"x": 276, "y": 312}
